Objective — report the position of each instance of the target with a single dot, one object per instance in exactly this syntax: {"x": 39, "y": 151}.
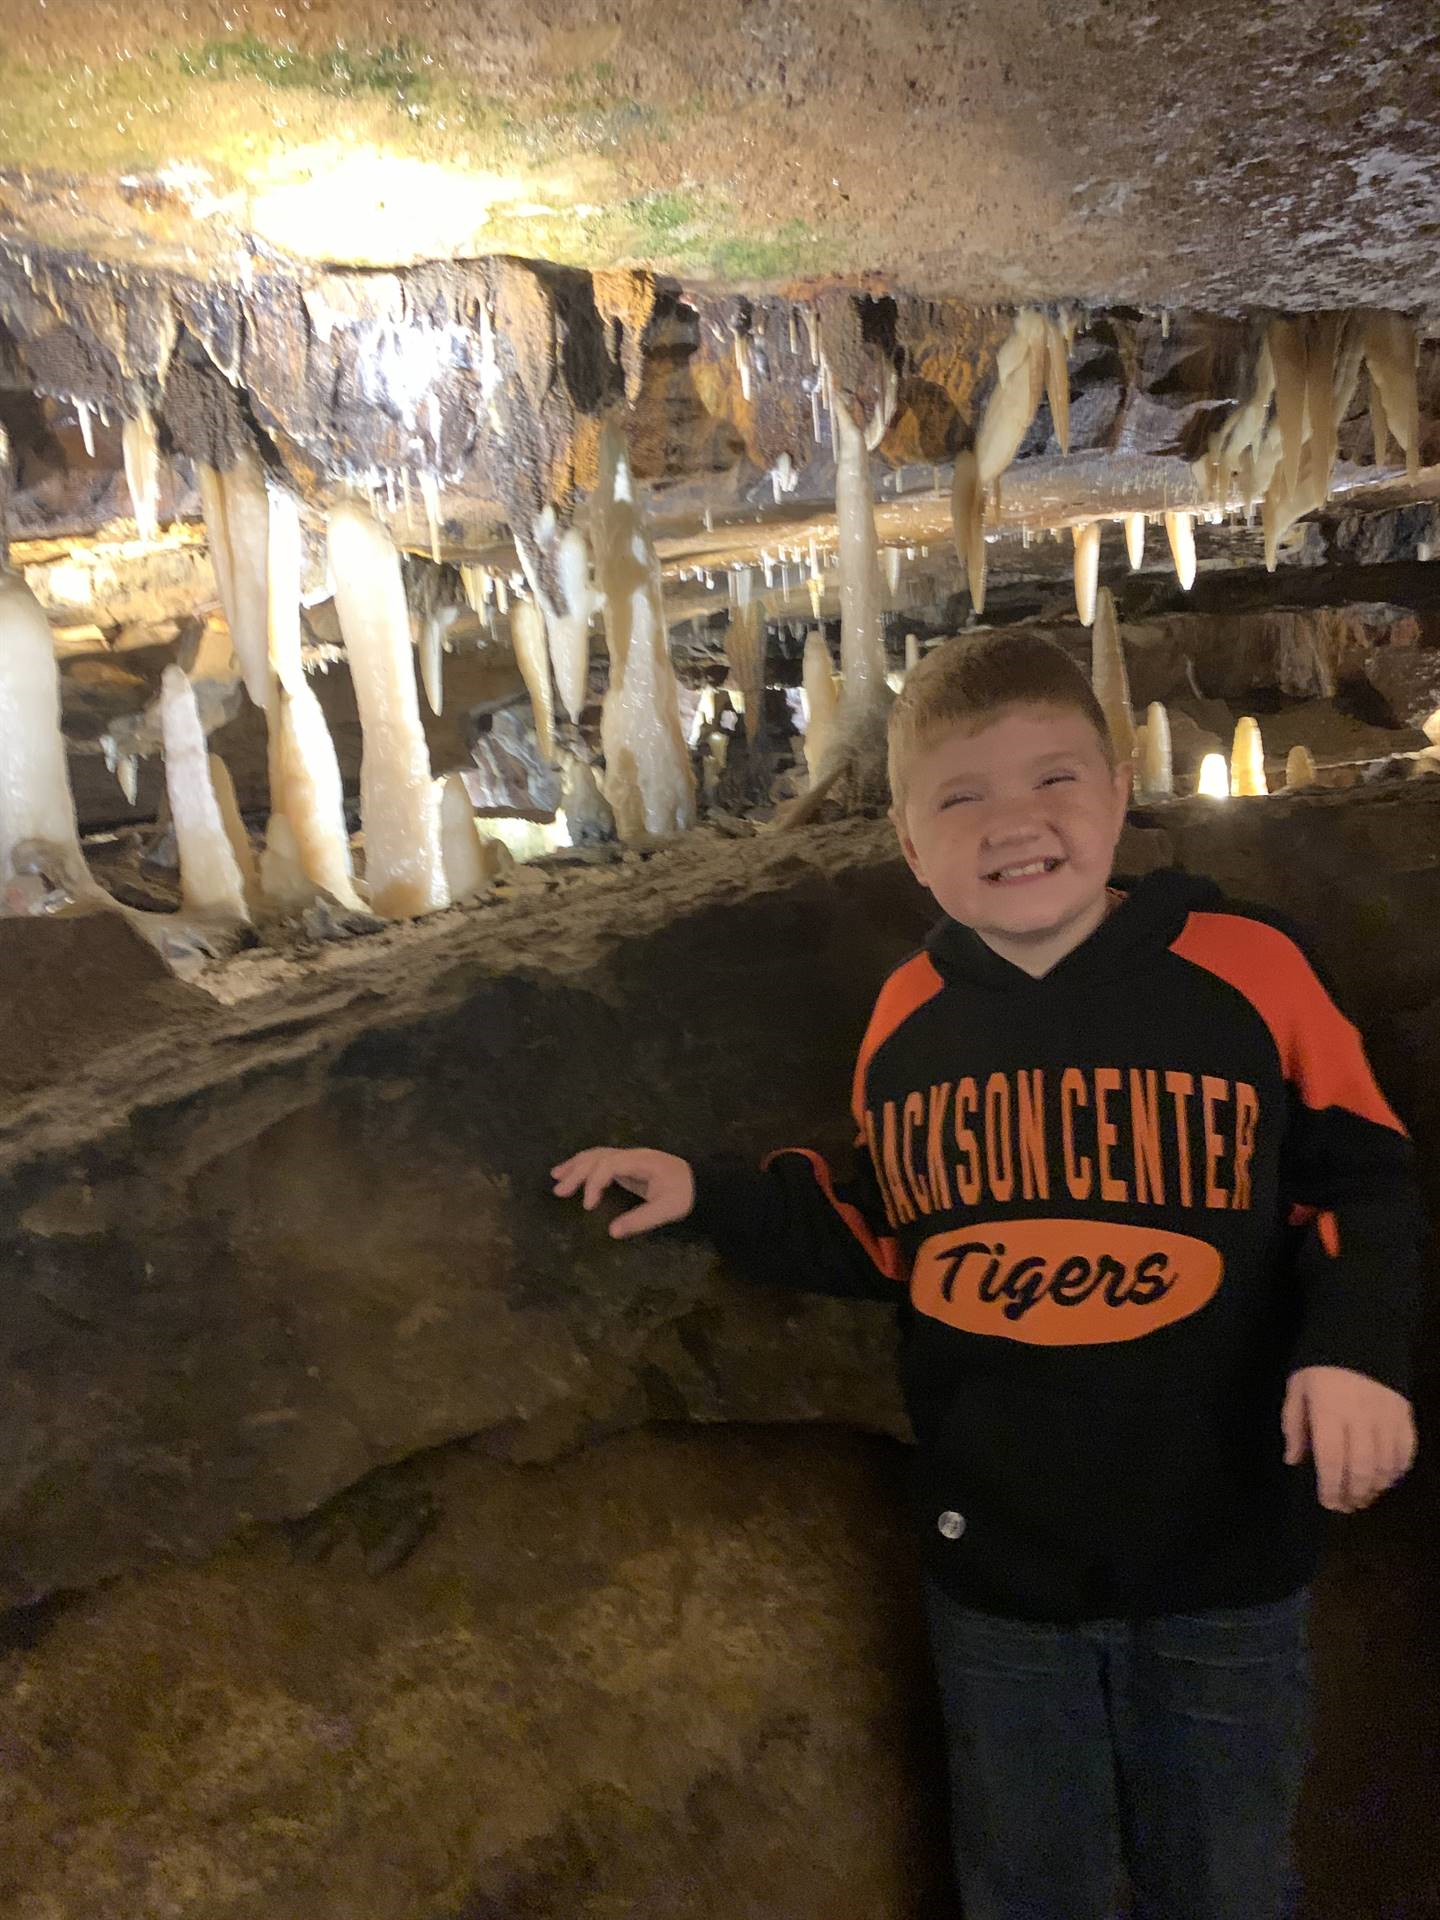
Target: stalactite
{"x": 432, "y": 660}
{"x": 1157, "y": 764}
{"x": 1180, "y": 532}
{"x": 967, "y": 514}
{"x": 557, "y": 566}
{"x": 210, "y": 880}
{"x": 527, "y": 638}
{"x": 1087, "y": 569}
{"x": 648, "y": 781}
{"x": 399, "y": 813}
{"x": 1019, "y": 381}
{"x": 1109, "y": 678}
{"x": 1247, "y": 759}
{"x": 820, "y": 703}
{"x": 745, "y": 657}
{"x": 237, "y": 522}
{"x": 588, "y": 818}
{"x": 36, "y": 804}
{"x": 305, "y": 783}
{"x": 862, "y": 630}
{"x": 1390, "y": 349}
{"x": 1300, "y": 769}
{"x": 1057, "y": 378}
{"x": 1135, "y": 540}
{"x": 140, "y": 449}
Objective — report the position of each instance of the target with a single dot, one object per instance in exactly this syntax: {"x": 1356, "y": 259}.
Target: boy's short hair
{"x": 965, "y": 683}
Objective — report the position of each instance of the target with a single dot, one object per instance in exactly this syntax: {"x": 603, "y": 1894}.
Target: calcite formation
{"x": 1087, "y": 569}
{"x": 210, "y": 877}
{"x": 1247, "y": 759}
{"x": 399, "y": 809}
{"x": 1109, "y": 678}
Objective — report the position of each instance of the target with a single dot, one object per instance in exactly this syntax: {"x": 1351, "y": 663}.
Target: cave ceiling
{"x": 1170, "y": 152}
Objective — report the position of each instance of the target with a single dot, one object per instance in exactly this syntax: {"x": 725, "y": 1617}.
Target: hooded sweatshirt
{"x": 1116, "y": 1207}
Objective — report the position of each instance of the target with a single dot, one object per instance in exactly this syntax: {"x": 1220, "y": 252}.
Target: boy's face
{"x": 1013, "y": 829}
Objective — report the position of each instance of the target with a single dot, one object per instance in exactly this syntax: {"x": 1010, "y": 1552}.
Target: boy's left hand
{"x": 1361, "y": 1433}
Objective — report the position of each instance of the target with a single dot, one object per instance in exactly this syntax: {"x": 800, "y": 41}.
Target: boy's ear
{"x": 907, "y": 845}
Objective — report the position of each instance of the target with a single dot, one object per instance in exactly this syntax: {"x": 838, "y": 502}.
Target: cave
{"x": 473, "y": 482}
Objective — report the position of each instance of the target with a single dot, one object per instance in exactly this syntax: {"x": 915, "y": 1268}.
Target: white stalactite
{"x": 1109, "y": 678}
{"x": 1019, "y": 382}
{"x": 648, "y": 781}
{"x": 967, "y": 514}
{"x": 1180, "y": 532}
{"x": 237, "y": 525}
{"x": 568, "y": 611}
{"x": 304, "y": 772}
{"x": 141, "y": 451}
{"x": 35, "y": 798}
{"x": 210, "y": 879}
{"x": 432, "y": 661}
{"x": 527, "y": 638}
{"x": 862, "y": 628}
{"x": 1247, "y": 758}
{"x": 1087, "y": 569}
{"x": 404, "y": 867}
{"x": 1135, "y": 540}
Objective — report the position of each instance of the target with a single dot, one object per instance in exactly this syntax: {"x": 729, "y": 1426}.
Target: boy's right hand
{"x": 664, "y": 1182}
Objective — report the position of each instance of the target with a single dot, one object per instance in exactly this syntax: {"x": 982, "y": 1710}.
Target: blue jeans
{"x": 1172, "y": 1748}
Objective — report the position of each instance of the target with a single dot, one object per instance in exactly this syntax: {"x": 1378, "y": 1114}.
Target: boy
{"x": 1153, "y": 1232}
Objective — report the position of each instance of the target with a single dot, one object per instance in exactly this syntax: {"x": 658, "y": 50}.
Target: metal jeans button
{"x": 952, "y": 1525}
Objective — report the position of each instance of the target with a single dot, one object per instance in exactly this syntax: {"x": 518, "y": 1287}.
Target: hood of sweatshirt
{"x": 1151, "y": 913}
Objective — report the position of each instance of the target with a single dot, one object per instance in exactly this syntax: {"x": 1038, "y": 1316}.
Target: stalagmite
{"x": 1300, "y": 770}
{"x": 35, "y": 798}
{"x": 1247, "y": 759}
{"x": 234, "y": 824}
{"x": 1157, "y": 763}
{"x": 1135, "y": 540}
{"x": 1180, "y": 532}
{"x": 648, "y": 781}
{"x": 399, "y": 813}
{"x": 237, "y": 521}
{"x": 745, "y": 657}
{"x": 466, "y": 873}
{"x": 588, "y": 819}
{"x": 141, "y": 452}
{"x": 527, "y": 637}
{"x": 282, "y": 879}
{"x": 1214, "y": 777}
{"x": 967, "y": 515}
{"x": 1109, "y": 677}
{"x": 304, "y": 772}
{"x": 820, "y": 702}
{"x": 912, "y": 652}
{"x": 210, "y": 881}
{"x": 893, "y": 557}
{"x": 862, "y": 630}
{"x": 1087, "y": 569}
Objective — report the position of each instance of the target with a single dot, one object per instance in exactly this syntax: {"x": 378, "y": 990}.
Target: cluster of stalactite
{"x": 531, "y": 377}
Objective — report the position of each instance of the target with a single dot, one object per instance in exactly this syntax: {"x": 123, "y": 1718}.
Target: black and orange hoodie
{"x": 1116, "y": 1206}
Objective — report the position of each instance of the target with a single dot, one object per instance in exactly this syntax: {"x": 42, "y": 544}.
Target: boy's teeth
{"x": 1022, "y": 872}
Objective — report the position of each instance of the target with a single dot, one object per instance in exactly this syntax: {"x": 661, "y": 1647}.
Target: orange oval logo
{"x": 1063, "y": 1283}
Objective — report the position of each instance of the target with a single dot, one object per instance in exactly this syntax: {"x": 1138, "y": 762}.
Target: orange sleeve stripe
{"x": 1321, "y": 1053}
{"x": 882, "y": 1249}
{"x": 904, "y": 993}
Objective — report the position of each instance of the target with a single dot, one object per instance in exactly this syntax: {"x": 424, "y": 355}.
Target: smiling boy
{"x": 1152, "y": 1231}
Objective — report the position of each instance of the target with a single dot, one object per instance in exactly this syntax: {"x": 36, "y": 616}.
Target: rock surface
{"x": 256, "y": 1249}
